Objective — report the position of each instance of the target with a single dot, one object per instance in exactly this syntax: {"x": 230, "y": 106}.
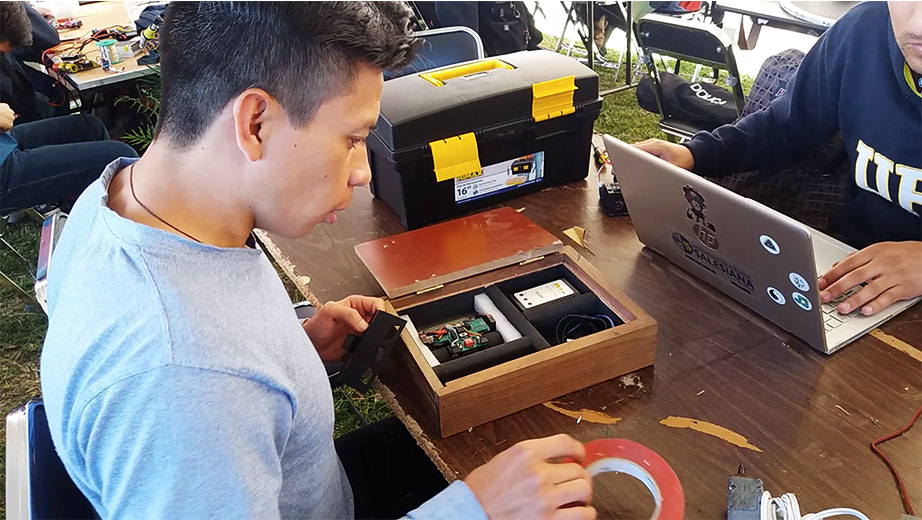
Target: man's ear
{"x": 252, "y": 110}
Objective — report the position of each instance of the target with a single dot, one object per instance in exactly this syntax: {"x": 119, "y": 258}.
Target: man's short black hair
{"x": 301, "y": 53}
{"x": 15, "y": 27}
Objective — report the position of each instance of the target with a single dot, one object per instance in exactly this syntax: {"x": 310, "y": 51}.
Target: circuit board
{"x": 460, "y": 337}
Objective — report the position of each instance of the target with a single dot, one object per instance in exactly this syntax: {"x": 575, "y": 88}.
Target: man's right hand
{"x": 669, "y": 152}
{"x": 521, "y": 482}
{"x": 6, "y": 117}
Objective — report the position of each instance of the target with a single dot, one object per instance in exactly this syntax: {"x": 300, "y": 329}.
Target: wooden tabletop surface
{"x": 810, "y": 416}
{"x": 96, "y": 16}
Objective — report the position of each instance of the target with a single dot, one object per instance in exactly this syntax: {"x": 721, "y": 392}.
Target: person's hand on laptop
{"x": 333, "y": 321}
{"x": 892, "y": 270}
{"x": 676, "y": 154}
{"x": 522, "y": 482}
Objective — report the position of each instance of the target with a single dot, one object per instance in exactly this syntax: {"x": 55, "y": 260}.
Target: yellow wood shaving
{"x": 586, "y": 414}
{"x": 577, "y": 234}
{"x": 710, "y": 429}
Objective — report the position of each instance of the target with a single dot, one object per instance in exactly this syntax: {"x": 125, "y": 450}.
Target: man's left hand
{"x": 46, "y": 13}
{"x": 892, "y": 270}
{"x": 329, "y": 327}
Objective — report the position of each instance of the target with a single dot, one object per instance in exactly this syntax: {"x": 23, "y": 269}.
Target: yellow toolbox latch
{"x": 553, "y": 98}
{"x": 456, "y": 156}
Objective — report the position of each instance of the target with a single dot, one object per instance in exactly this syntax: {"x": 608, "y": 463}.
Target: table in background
{"x": 772, "y": 14}
{"x": 100, "y": 15}
{"x": 812, "y": 415}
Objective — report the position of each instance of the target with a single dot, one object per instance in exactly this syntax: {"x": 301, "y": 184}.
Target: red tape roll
{"x": 644, "y": 464}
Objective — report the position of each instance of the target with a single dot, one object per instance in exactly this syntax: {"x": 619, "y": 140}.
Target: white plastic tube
{"x": 483, "y": 304}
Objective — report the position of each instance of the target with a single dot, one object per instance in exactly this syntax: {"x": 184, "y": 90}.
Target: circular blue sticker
{"x": 802, "y": 301}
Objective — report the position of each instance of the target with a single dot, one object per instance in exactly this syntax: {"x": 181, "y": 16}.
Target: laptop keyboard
{"x": 831, "y": 317}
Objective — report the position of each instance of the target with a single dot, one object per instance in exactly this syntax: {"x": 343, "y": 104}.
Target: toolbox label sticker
{"x": 500, "y": 177}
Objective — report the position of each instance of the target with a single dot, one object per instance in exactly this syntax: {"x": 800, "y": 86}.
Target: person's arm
{"x": 521, "y": 482}
{"x": 44, "y": 36}
{"x": 803, "y": 119}
{"x": 181, "y": 442}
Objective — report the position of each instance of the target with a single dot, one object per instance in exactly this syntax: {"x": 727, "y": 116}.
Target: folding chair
{"x": 692, "y": 41}
{"x": 617, "y": 13}
{"x": 4, "y": 277}
{"x": 441, "y": 47}
{"x": 37, "y": 485}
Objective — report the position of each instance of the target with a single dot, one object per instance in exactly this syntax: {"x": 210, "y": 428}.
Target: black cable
{"x": 573, "y": 326}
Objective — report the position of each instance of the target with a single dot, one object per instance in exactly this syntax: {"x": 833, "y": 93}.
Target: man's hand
{"x": 669, "y": 152}
{"x": 329, "y": 327}
{"x": 46, "y": 13}
{"x": 521, "y": 482}
{"x": 6, "y": 117}
{"x": 892, "y": 270}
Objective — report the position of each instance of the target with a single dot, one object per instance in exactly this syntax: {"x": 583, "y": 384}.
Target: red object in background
{"x": 65, "y": 24}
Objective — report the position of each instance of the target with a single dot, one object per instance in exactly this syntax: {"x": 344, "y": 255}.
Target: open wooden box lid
{"x": 427, "y": 258}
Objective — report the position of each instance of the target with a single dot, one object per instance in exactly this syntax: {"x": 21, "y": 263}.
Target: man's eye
{"x": 356, "y": 141}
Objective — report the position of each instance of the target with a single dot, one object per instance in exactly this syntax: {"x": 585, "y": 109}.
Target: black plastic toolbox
{"x": 454, "y": 140}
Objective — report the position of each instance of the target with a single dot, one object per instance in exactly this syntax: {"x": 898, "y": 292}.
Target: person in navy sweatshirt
{"x": 861, "y": 78}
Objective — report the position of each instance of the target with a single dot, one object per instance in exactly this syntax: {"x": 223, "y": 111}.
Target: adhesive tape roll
{"x": 644, "y": 464}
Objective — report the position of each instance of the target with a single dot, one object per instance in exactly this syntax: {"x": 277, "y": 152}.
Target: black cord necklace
{"x": 156, "y": 216}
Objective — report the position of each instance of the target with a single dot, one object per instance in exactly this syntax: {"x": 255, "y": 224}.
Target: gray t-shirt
{"x": 178, "y": 382}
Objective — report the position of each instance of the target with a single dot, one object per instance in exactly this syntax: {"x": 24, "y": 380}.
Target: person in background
{"x": 24, "y": 35}
{"x": 45, "y": 160}
{"x": 863, "y": 78}
{"x": 177, "y": 381}
{"x": 504, "y": 27}
{"x": 53, "y": 160}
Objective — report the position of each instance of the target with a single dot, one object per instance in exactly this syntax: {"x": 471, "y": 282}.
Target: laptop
{"x": 761, "y": 258}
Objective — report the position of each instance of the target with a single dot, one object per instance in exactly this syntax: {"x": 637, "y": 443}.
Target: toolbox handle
{"x": 439, "y": 77}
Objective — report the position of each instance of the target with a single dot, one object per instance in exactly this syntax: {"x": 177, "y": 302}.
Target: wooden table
{"x": 813, "y": 416}
{"x": 773, "y": 15}
{"x": 100, "y": 15}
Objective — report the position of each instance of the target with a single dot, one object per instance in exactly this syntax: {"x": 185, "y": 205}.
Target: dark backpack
{"x": 504, "y": 27}
{"x": 702, "y": 104}
{"x": 507, "y": 27}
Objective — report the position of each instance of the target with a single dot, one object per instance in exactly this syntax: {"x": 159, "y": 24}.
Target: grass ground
{"x": 22, "y": 330}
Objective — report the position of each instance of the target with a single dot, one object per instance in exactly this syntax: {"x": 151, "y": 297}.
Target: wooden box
{"x": 442, "y": 266}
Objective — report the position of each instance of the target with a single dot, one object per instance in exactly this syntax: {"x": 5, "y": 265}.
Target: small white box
{"x": 127, "y": 49}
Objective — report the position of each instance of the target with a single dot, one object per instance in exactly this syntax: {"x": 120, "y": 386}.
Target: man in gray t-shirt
{"x": 176, "y": 379}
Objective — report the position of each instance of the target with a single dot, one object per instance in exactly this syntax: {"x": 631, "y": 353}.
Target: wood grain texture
{"x": 758, "y": 380}
{"x": 529, "y": 380}
{"x": 543, "y": 376}
{"x": 435, "y": 255}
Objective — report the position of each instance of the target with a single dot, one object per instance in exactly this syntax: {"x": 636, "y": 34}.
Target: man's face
{"x": 314, "y": 169}
{"x": 906, "y": 18}
{"x": 5, "y": 47}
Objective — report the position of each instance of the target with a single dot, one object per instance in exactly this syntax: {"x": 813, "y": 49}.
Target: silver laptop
{"x": 756, "y": 255}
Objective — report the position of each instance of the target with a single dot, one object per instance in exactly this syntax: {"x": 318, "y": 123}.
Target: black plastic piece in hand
{"x": 368, "y": 351}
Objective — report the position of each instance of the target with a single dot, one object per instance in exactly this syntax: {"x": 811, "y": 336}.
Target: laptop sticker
{"x": 802, "y": 301}
{"x": 799, "y": 282}
{"x": 714, "y": 264}
{"x": 769, "y": 244}
{"x": 776, "y": 296}
{"x": 704, "y": 229}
